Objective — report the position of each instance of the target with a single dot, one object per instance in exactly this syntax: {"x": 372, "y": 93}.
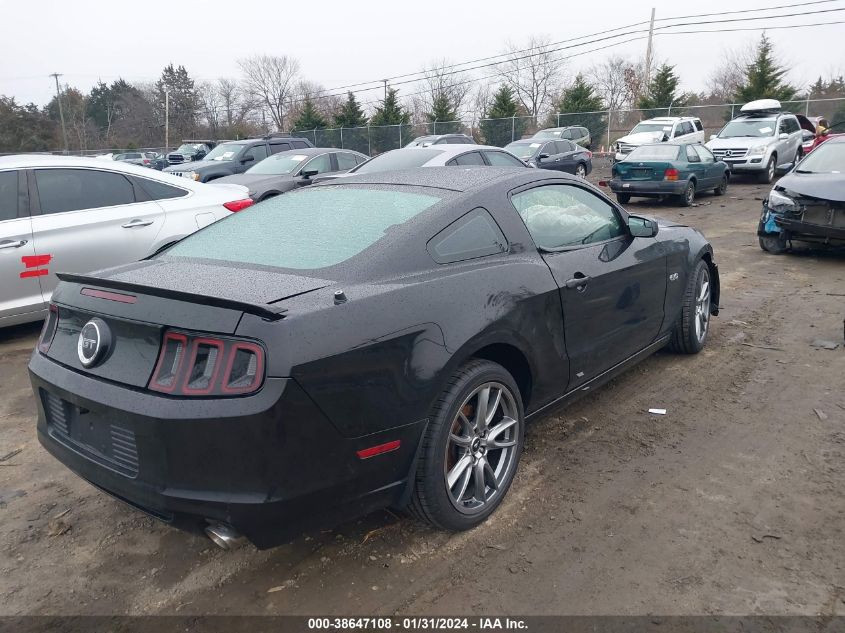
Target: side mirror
{"x": 783, "y": 136}
{"x": 665, "y": 138}
{"x": 247, "y": 159}
{"x": 542, "y": 157}
{"x": 306, "y": 177}
{"x": 641, "y": 227}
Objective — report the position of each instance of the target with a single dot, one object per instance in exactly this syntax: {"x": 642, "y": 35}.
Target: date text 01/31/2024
{"x": 415, "y": 624}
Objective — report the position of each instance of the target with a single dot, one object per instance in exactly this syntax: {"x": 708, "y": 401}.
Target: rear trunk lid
{"x": 138, "y": 302}
{"x": 636, "y": 170}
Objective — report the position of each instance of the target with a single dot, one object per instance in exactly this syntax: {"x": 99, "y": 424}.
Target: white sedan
{"x": 64, "y": 214}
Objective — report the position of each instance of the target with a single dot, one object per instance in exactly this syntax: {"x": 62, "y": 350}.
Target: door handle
{"x": 557, "y": 160}
{"x": 134, "y": 223}
{"x": 579, "y": 282}
{"x": 10, "y": 244}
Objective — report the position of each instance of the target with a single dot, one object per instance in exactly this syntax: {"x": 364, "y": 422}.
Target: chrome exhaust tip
{"x": 223, "y": 536}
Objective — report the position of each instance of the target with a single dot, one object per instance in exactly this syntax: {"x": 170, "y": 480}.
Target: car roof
{"x": 315, "y": 151}
{"x": 460, "y": 179}
{"x": 24, "y": 161}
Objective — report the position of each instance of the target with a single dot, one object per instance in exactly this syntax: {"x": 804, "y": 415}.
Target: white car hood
{"x": 641, "y": 138}
{"x": 738, "y": 142}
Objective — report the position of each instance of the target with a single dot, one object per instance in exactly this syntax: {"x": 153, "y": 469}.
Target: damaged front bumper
{"x": 811, "y": 220}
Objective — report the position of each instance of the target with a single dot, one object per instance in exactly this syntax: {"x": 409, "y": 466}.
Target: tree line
{"x": 272, "y": 94}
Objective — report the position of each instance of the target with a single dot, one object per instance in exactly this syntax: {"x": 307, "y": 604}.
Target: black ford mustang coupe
{"x": 375, "y": 341}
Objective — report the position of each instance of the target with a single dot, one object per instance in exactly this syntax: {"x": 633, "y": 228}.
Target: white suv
{"x": 660, "y": 130}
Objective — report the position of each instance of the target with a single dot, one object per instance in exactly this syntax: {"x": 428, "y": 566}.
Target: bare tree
{"x": 235, "y": 104}
{"x": 725, "y": 80}
{"x": 534, "y": 75}
{"x": 441, "y": 81}
{"x": 270, "y": 80}
{"x": 617, "y": 80}
{"x": 326, "y": 104}
{"x": 210, "y": 104}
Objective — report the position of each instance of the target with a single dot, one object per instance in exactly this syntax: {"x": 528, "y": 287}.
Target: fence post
{"x": 341, "y": 137}
{"x": 400, "y": 135}
{"x": 513, "y": 128}
{"x": 558, "y": 119}
{"x": 807, "y": 106}
{"x": 609, "y": 121}
{"x": 315, "y": 136}
{"x": 369, "y": 143}
{"x": 435, "y": 129}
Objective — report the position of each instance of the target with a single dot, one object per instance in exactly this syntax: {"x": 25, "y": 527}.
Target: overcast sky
{"x": 340, "y": 43}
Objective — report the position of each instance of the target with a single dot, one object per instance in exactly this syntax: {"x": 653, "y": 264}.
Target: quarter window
{"x": 8, "y": 195}
{"x": 503, "y": 159}
{"x": 474, "y": 235}
{"x": 160, "y": 191}
{"x": 705, "y": 154}
{"x": 345, "y": 160}
{"x": 560, "y": 216}
{"x": 472, "y": 158}
{"x": 698, "y": 125}
{"x": 61, "y": 190}
{"x": 692, "y": 155}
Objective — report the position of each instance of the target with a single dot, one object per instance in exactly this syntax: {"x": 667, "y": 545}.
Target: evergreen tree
{"x": 309, "y": 117}
{"x": 390, "y": 113}
{"x": 443, "y": 116}
{"x": 24, "y": 128}
{"x": 662, "y": 93}
{"x": 350, "y": 114}
{"x": 183, "y": 100}
{"x": 500, "y": 125}
{"x": 764, "y": 77}
{"x": 579, "y": 98}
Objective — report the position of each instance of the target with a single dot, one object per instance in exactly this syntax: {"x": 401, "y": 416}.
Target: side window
{"x": 566, "y": 134}
{"x": 8, "y": 195}
{"x": 275, "y": 148}
{"x": 503, "y": 159}
{"x": 697, "y": 125}
{"x": 692, "y": 155}
{"x": 584, "y": 132}
{"x": 474, "y": 235}
{"x": 472, "y": 158}
{"x": 549, "y": 148}
{"x": 792, "y": 125}
{"x": 705, "y": 154}
{"x": 361, "y": 159}
{"x": 299, "y": 144}
{"x": 345, "y": 160}
{"x": 159, "y": 191}
{"x": 564, "y": 146}
{"x": 321, "y": 163}
{"x": 259, "y": 152}
{"x": 558, "y": 216}
{"x": 62, "y": 190}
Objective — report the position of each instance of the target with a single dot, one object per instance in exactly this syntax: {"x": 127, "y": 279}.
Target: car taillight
{"x": 671, "y": 174}
{"x": 49, "y": 329}
{"x": 194, "y": 365}
{"x": 589, "y": 154}
{"x": 146, "y": 161}
{"x": 239, "y": 205}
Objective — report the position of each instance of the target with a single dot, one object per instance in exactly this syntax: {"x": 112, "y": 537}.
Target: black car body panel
{"x": 362, "y": 352}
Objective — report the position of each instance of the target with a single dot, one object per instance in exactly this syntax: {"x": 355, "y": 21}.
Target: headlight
{"x": 758, "y": 150}
{"x": 780, "y": 203}
{"x": 192, "y": 175}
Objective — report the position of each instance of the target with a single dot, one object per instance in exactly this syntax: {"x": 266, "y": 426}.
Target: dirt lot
{"x": 731, "y": 503}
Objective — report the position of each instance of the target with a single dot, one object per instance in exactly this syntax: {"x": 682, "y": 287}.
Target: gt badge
{"x": 673, "y": 277}
{"x": 94, "y": 342}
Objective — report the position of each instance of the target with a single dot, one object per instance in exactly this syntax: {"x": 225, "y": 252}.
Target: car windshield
{"x": 523, "y": 150}
{"x": 422, "y": 141}
{"x": 308, "y": 229}
{"x": 754, "y": 128}
{"x": 278, "y": 165}
{"x": 827, "y": 158}
{"x": 226, "y": 151}
{"x": 187, "y": 147}
{"x": 553, "y": 133}
{"x": 653, "y": 152}
{"x": 398, "y": 159}
{"x": 651, "y": 127}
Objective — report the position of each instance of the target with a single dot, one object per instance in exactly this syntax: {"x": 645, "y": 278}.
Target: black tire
{"x": 432, "y": 500}
{"x": 688, "y": 196}
{"x": 768, "y": 175}
{"x": 723, "y": 186}
{"x": 623, "y": 198}
{"x": 686, "y": 337}
{"x": 774, "y": 243}
{"x": 581, "y": 170}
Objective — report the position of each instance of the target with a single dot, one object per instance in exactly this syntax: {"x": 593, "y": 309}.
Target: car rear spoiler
{"x": 269, "y": 312}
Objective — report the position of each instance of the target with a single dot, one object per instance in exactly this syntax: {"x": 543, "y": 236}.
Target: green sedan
{"x": 679, "y": 170}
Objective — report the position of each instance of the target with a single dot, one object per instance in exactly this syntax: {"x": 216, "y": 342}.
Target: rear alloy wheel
{"x": 581, "y": 170}
{"x": 723, "y": 186}
{"x": 688, "y": 196}
{"x": 623, "y": 198}
{"x": 693, "y": 323}
{"x": 471, "y": 448}
{"x": 774, "y": 243}
{"x": 769, "y": 175}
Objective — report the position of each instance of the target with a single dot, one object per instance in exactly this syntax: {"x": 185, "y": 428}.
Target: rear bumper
{"x": 269, "y": 465}
{"x": 648, "y": 187}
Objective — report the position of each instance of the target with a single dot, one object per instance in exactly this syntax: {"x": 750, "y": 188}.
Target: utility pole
{"x": 648, "y": 52}
{"x": 385, "y": 89}
{"x": 61, "y": 113}
{"x": 166, "y": 119}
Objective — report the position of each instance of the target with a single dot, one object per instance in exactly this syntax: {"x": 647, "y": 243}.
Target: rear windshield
{"x": 398, "y": 159}
{"x": 307, "y": 229}
{"x": 524, "y": 150}
{"x": 552, "y": 133}
{"x": 653, "y": 152}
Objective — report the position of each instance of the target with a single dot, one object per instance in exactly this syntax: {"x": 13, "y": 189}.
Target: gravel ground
{"x": 731, "y": 503}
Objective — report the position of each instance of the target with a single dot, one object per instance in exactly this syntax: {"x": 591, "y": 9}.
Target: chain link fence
{"x": 605, "y": 127}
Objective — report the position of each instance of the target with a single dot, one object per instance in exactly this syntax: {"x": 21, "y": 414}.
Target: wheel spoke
{"x": 478, "y": 480}
{"x": 463, "y": 484}
{"x": 481, "y": 408}
{"x": 492, "y": 408}
{"x": 503, "y": 425}
{"x": 704, "y": 292}
{"x": 461, "y": 440}
{"x": 489, "y": 470}
{"x": 458, "y": 469}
